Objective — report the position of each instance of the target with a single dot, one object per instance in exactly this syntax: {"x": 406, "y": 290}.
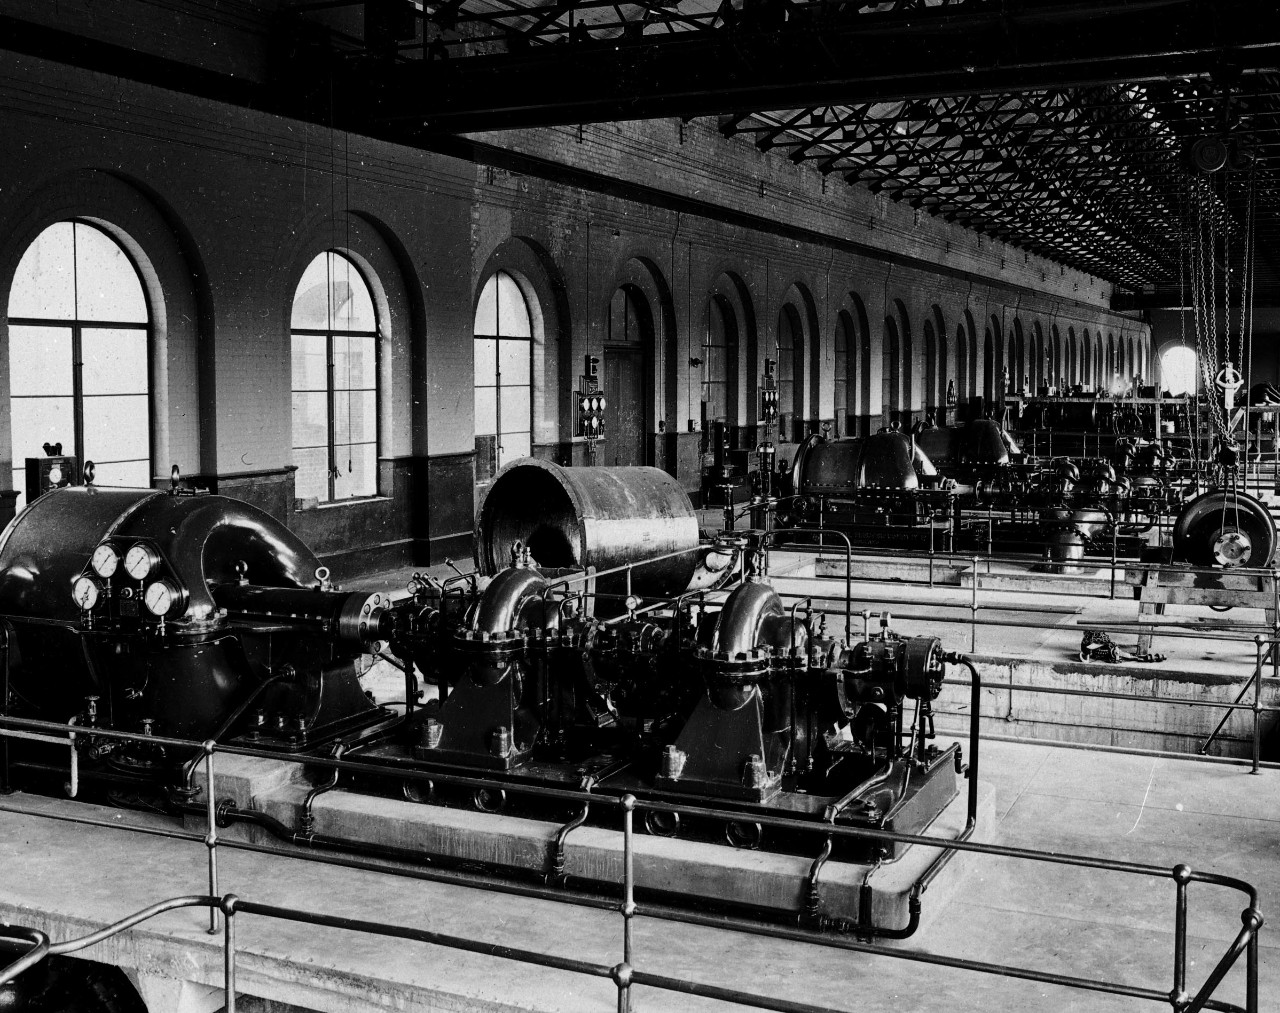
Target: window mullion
{"x": 77, "y": 392}
{"x": 331, "y": 413}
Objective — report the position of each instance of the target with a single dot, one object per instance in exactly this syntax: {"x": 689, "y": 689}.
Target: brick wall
{"x": 223, "y": 208}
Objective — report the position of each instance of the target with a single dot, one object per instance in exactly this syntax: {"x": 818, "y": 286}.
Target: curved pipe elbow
{"x": 505, "y": 599}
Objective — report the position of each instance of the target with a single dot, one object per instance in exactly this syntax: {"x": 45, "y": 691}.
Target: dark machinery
{"x": 971, "y": 489}
{"x": 182, "y": 615}
{"x": 603, "y": 648}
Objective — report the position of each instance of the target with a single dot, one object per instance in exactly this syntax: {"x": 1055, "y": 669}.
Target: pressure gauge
{"x": 105, "y": 561}
{"x": 161, "y": 598}
{"x": 140, "y": 560}
{"x": 85, "y": 592}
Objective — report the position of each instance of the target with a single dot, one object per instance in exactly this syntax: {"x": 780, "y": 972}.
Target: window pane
{"x": 311, "y": 480}
{"x": 115, "y": 361}
{"x": 717, "y": 365}
{"x": 513, "y": 363}
{"x": 513, "y": 315}
{"x": 310, "y": 420}
{"x": 486, "y": 362}
{"x": 311, "y": 299}
{"x": 107, "y": 285}
{"x": 116, "y": 428}
{"x": 355, "y": 417}
{"x": 40, "y": 420}
{"x": 130, "y": 474}
{"x": 786, "y": 332}
{"x": 40, "y": 360}
{"x": 786, "y": 396}
{"x": 487, "y": 309}
{"x": 309, "y": 366}
{"x": 352, "y": 302}
{"x": 486, "y": 411}
{"x": 354, "y": 363}
{"x": 514, "y": 446}
{"x": 357, "y": 471}
{"x": 515, "y": 409}
{"x": 44, "y": 285}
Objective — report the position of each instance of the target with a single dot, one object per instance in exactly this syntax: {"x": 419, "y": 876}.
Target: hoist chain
{"x": 1206, "y": 298}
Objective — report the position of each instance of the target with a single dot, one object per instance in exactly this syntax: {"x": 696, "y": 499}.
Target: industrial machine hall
{"x": 572, "y": 505}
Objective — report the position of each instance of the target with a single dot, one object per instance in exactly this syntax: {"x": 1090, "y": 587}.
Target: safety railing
{"x": 625, "y": 974}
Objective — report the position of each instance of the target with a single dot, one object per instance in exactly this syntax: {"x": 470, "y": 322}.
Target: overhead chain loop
{"x": 1205, "y": 302}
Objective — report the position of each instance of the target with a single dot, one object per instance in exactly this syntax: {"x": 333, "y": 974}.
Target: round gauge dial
{"x": 85, "y": 592}
{"x": 161, "y": 598}
{"x": 140, "y": 560}
{"x": 105, "y": 561}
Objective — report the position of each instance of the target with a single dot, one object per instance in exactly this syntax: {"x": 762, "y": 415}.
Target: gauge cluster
{"x": 128, "y": 578}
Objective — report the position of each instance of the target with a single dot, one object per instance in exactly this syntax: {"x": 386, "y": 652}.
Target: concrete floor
{"x": 68, "y": 878}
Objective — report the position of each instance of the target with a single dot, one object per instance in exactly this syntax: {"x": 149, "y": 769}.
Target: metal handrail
{"x": 625, "y": 974}
{"x": 39, "y": 950}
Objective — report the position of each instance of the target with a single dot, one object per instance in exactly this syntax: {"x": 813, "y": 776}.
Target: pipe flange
{"x": 740, "y": 668}
{"x": 491, "y": 642}
{"x": 542, "y": 638}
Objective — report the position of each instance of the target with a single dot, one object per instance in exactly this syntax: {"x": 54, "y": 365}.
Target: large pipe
{"x": 590, "y": 517}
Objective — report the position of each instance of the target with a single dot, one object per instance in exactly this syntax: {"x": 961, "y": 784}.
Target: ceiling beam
{"x": 821, "y": 56}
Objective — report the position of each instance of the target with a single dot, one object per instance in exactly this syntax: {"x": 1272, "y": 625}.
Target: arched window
{"x": 720, "y": 362}
{"x": 844, "y": 330}
{"x": 629, "y": 342}
{"x": 335, "y": 382}
{"x": 790, "y": 360}
{"x": 930, "y": 366}
{"x": 503, "y": 357}
{"x": 962, "y": 363}
{"x": 79, "y": 355}
{"x": 891, "y": 370}
{"x": 991, "y": 384}
{"x": 1178, "y": 370}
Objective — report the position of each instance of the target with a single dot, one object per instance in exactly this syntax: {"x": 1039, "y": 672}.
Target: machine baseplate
{"x": 690, "y": 871}
{"x": 696, "y": 872}
{"x": 930, "y": 788}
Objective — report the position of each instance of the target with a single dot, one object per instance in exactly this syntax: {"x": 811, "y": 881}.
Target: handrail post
{"x": 1115, "y": 531}
{"x": 931, "y": 548}
{"x": 211, "y": 832}
{"x": 973, "y": 609}
{"x": 1181, "y": 877}
{"x": 229, "y": 952}
{"x": 1251, "y": 973}
{"x": 622, "y": 972}
{"x": 1257, "y": 707}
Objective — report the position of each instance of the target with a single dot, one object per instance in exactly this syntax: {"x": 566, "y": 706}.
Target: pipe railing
{"x": 625, "y": 974}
